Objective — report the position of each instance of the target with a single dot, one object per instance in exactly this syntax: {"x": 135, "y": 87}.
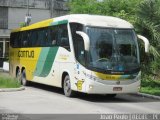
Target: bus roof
{"x": 101, "y": 21}
{"x": 86, "y": 19}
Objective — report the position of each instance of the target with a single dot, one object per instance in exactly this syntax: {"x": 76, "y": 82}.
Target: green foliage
{"x": 148, "y": 81}
{"x": 82, "y": 6}
{"x": 148, "y": 24}
{"x": 8, "y": 82}
{"x": 124, "y": 9}
{"x": 151, "y": 90}
{"x": 150, "y": 86}
{"x": 22, "y": 24}
{"x": 153, "y": 50}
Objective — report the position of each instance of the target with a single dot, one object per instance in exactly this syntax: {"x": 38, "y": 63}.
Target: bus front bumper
{"x": 94, "y": 87}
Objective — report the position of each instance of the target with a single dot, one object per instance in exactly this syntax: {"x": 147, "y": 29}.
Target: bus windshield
{"x": 111, "y": 49}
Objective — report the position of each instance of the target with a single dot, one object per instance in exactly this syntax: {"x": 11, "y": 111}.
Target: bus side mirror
{"x": 146, "y": 42}
{"x": 85, "y": 38}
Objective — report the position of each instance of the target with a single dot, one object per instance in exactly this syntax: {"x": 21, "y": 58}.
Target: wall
{"x": 43, "y": 4}
{"x": 37, "y": 15}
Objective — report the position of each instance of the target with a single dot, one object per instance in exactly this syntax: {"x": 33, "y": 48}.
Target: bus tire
{"x": 18, "y": 75}
{"x": 24, "y": 82}
{"x": 68, "y": 92}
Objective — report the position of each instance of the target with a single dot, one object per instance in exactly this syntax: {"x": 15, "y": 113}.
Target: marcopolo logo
{"x": 26, "y": 54}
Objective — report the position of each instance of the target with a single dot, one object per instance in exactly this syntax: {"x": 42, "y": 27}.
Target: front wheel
{"x": 24, "y": 82}
{"x": 68, "y": 92}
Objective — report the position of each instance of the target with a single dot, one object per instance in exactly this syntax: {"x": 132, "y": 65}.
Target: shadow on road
{"x": 46, "y": 87}
{"x": 120, "y": 98}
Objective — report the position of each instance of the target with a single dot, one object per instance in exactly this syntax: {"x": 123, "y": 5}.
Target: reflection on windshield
{"x": 113, "y": 49}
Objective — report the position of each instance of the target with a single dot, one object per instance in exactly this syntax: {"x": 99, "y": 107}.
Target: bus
{"x": 79, "y": 52}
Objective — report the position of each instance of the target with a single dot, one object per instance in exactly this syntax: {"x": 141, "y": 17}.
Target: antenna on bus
{"x": 28, "y": 15}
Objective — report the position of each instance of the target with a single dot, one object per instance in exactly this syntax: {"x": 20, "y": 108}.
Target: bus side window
{"x": 79, "y": 49}
{"x": 52, "y": 35}
{"x": 45, "y": 37}
{"x": 25, "y": 39}
{"x": 18, "y": 40}
{"x": 63, "y": 39}
{"x": 48, "y": 37}
{"x": 78, "y": 42}
{"x": 33, "y": 38}
{"x": 29, "y": 38}
{"x": 41, "y": 41}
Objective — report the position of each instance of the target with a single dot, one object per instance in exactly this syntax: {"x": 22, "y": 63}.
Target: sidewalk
{"x": 11, "y": 89}
{"x": 148, "y": 96}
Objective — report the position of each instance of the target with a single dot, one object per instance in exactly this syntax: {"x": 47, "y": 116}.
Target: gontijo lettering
{"x": 26, "y": 54}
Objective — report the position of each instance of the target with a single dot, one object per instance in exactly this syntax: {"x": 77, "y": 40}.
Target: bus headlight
{"x": 90, "y": 86}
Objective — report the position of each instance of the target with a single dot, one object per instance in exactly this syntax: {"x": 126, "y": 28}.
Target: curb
{"x": 148, "y": 96}
{"x": 12, "y": 89}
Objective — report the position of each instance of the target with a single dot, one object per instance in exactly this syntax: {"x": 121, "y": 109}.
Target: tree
{"x": 148, "y": 24}
{"x": 124, "y": 9}
{"x": 148, "y": 16}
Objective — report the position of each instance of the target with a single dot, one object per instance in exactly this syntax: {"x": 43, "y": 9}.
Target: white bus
{"x": 87, "y": 53}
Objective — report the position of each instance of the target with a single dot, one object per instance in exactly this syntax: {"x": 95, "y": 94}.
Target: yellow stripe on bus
{"x": 107, "y": 76}
{"x": 42, "y": 24}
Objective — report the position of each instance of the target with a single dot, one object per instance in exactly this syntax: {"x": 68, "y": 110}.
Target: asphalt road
{"x": 41, "y": 99}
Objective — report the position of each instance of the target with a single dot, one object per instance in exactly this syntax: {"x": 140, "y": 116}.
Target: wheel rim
{"x": 23, "y": 79}
{"x": 18, "y": 76}
{"x": 67, "y": 87}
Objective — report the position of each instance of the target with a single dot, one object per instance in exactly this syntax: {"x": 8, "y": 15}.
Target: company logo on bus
{"x": 118, "y": 82}
{"x": 26, "y": 54}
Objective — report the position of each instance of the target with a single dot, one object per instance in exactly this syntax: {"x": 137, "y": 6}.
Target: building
{"x": 13, "y": 13}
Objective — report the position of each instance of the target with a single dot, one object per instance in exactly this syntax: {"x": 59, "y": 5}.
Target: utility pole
{"x": 28, "y": 16}
{"x": 51, "y": 7}
{"x": 27, "y": 7}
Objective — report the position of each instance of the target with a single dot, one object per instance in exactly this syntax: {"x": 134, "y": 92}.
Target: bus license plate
{"x": 117, "y": 89}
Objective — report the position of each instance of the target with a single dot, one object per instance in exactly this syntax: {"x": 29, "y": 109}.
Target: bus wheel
{"x": 68, "y": 92}
{"x": 18, "y": 75}
{"x": 24, "y": 82}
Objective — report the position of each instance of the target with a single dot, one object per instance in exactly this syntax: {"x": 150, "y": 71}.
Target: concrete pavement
{"x": 41, "y": 99}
